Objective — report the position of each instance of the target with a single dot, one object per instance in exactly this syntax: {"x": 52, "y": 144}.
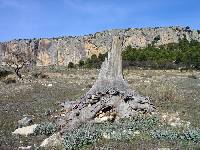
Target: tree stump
{"x": 109, "y": 98}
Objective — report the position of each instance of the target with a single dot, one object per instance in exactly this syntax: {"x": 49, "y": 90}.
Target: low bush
{"x": 169, "y": 134}
{"x": 4, "y": 72}
{"x": 45, "y": 129}
{"x": 122, "y": 130}
{"x": 127, "y": 129}
{"x": 71, "y": 65}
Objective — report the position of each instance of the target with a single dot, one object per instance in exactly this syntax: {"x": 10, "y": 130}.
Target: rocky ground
{"x": 176, "y": 95}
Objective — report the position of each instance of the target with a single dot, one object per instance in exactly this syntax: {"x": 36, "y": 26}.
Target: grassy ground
{"x": 171, "y": 92}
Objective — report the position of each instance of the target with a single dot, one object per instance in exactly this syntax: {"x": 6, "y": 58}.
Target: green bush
{"x": 122, "y": 130}
{"x": 4, "y": 72}
{"x": 45, "y": 129}
{"x": 71, "y": 65}
{"x": 169, "y": 134}
{"x": 81, "y": 63}
{"x": 80, "y": 137}
{"x": 125, "y": 129}
{"x": 94, "y": 61}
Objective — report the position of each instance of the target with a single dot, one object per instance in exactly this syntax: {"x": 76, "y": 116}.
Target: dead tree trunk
{"x": 109, "y": 98}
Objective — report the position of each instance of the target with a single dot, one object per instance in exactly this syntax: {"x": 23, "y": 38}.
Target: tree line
{"x": 170, "y": 56}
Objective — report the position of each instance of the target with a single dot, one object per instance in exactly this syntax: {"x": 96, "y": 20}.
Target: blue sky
{"x": 52, "y": 18}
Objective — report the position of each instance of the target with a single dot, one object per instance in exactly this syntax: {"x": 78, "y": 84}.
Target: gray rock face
{"x": 62, "y": 50}
{"x": 109, "y": 98}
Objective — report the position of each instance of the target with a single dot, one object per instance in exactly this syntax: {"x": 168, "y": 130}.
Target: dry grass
{"x": 171, "y": 91}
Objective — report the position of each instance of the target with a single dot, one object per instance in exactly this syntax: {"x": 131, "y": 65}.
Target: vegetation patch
{"x": 172, "y": 134}
{"x": 170, "y": 56}
{"x": 4, "y": 72}
{"x": 45, "y": 129}
{"x": 128, "y": 129}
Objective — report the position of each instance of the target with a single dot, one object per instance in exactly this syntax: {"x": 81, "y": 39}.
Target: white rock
{"x": 50, "y": 85}
{"x": 63, "y": 115}
{"x": 103, "y": 119}
{"x": 52, "y": 141}
{"x": 136, "y": 133}
{"x": 106, "y": 136}
{"x": 25, "y": 130}
{"x": 24, "y": 148}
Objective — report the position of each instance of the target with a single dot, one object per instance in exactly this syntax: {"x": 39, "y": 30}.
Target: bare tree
{"x": 18, "y": 59}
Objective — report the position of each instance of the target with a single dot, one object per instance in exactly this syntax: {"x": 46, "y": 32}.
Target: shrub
{"x": 4, "y": 73}
{"x": 45, "y": 129}
{"x": 94, "y": 61}
{"x": 122, "y": 130}
{"x": 80, "y": 137}
{"x": 81, "y": 63}
{"x": 71, "y": 65}
{"x": 9, "y": 80}
{"x": 169, "y": 134}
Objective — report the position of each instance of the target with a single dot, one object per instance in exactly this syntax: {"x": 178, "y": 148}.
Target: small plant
{"x": 45, "y": 129}
{"x": 80, "y": 137}
{"x": 4, "y": 73}
{"x": 71, "y": 65}
{"x": 81, "y": 63}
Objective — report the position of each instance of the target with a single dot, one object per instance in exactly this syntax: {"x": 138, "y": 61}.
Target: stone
{"x": 50, "y": 85}
{"x": 25, "y": 121}
{"x": 53, "y": 141}
{"x": 28, "y": 130}
{"x": 25, "y": 147}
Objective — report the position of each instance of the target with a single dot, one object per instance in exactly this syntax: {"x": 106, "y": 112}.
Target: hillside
{"x": 62, "y": 50}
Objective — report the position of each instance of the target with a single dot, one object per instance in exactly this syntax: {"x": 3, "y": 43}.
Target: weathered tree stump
{"x": 109, "y": 98}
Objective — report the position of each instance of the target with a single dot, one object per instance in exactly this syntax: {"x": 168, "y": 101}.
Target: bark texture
{"x": 109, "y": 98}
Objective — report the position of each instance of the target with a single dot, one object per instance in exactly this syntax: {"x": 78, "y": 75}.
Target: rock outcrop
{"x": 62, "y": 50}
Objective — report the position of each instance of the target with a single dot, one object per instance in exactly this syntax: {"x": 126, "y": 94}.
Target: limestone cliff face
{"x": 62, "y": 50}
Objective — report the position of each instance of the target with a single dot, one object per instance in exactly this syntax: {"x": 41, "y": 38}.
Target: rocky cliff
{"x": 62, "y": 50}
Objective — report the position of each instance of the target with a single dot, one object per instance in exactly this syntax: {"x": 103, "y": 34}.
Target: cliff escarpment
{"x": 62, "y": 50}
